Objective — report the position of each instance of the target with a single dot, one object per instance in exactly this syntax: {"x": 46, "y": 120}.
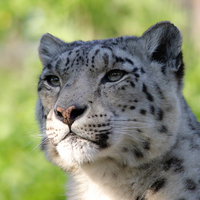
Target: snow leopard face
{"x": 110, "y": 99}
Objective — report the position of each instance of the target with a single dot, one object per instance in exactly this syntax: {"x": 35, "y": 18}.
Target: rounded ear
{"x": 49, "y": 48}
{"x": 162, "y": 41}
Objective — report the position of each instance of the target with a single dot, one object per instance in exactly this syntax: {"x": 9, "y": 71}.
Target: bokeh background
{"x": 24, "y": 172}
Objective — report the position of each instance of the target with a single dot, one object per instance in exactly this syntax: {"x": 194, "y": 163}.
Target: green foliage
{"x": 24, "y": 172}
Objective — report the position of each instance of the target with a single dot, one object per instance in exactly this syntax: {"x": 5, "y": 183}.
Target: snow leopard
{"x": 113, "y": 116}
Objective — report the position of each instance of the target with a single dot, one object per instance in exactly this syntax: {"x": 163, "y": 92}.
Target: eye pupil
{"x": 53, "y": 81}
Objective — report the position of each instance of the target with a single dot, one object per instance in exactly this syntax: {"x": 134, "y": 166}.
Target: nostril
{"x": 77, "y": 113}
{"x": 59, "y": 114}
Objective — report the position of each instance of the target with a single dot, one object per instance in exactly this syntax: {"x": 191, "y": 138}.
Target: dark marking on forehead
{"x": 152, "y": 109}
{"x": 123, "y": 60}
{"x": 106, "y": 59}
{"x": 73, "y": 62}
{"x": 106, "y": 47}
{"x": 93, "y": 57}
{"x": 119, "y": 60}
{"x": 129, "y": 61}
{"x": 67, "y": 62}
{"x": 160, "y": 114}
{"x": 148, "y": 95}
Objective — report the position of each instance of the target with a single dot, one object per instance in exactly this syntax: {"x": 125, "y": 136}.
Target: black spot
{"x": 160, "y": 114}
{"x": 163, "y": 70}
{"x": 173, "y": 163}
{"x": 138, "y": 153}
{"x": 146, "y": 145}
{"x": 67, "y": 62}
{"x": 138, "y": 130}
{"x": 123, "y": 88}
{"x": 190, "y": 184}
{"x": 119, "y": 59}
{"x": 159, "y": 91}
{"x": 152, "y": 109}
{"x": 129, "y": 61}
{"x": 132, "y": 84}
{"x": 137, "y": 75}
{"x": 148, "y": 95}
{"x": 106, "y": 59}
{"x": 135, "y": 69}
{"x": 163, "y": 129}
{"x": 73, "y": 63}
{"x": 158, "y": 184}
{"x": 132, "y": 107}
{"x": 143, "y": 112}
{"x": 142, "y": 71}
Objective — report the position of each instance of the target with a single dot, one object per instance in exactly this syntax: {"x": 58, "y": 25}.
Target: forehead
{"x": 98, "y": 55}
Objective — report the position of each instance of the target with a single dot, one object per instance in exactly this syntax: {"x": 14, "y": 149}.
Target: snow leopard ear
{"x": 49, "y": 48}
{"x": 163, "y": 42}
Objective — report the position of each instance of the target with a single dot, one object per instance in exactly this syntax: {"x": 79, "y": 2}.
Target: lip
{"x": 78, "y": 136}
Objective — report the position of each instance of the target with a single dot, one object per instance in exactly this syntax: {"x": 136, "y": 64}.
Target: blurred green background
{"x": 24, "y": 172}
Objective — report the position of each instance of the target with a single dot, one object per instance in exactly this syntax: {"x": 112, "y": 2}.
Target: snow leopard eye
{"x": 115, "y": 75}
{"x": 53, "y": 80}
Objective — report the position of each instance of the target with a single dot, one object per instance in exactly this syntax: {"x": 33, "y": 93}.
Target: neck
{"x": 106, "y": 180}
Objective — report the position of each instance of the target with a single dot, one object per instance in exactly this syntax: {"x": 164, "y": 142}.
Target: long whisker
{"x": 42, "y": 142}
{"x": 37, "y": 131}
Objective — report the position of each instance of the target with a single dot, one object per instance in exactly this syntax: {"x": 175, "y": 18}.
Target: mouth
{"x": 101, "y": 142}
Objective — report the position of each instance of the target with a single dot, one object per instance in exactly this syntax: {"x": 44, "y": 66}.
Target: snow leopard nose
{"x": 69, "y": 115}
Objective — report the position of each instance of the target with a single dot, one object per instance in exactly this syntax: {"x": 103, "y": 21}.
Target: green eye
{"x": 115, "y": 75}
{"x": 53, "y": 81}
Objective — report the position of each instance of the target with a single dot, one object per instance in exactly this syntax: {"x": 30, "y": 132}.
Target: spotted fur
{"x": 112, "y": 114}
